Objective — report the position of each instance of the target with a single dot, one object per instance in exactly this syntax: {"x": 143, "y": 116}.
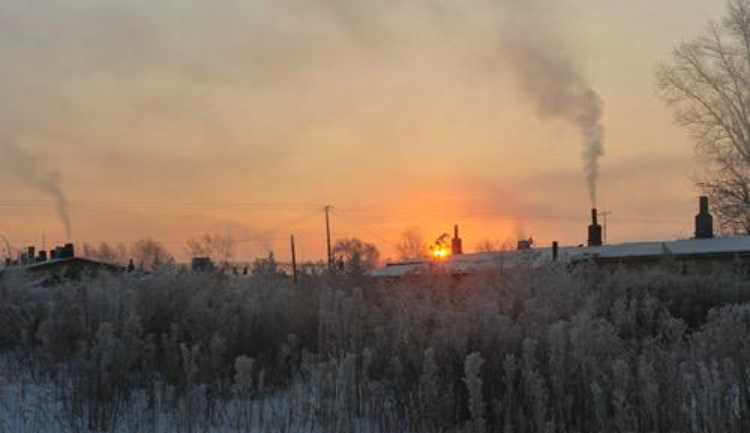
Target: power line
{"x": 93, "y": 242}
{"x": 367, "y": 209}
{"x": 259, "y": 237}
{"x": 360, "y": 227}
{"x": 146, "y": 202}
{"x": 289, "y": 223}
{"x": 484, "y": 213}
{"x": 328, "y": 238}
{"x": 140, "y": 205}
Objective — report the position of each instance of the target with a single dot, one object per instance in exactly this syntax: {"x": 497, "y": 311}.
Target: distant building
{"x": 702, "y": 254}
{"x": 60, "y": 264}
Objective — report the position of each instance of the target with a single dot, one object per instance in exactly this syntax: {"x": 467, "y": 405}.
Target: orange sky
{"x": 168, "y": 121}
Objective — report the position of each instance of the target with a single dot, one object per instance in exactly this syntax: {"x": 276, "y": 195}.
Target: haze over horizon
{"x": 173, "y": 119}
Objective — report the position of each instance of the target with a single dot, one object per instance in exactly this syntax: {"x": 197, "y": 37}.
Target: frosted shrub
{"x": 429, "y": 391}
{"x": 473, "y": 381}
{"x": 565, "y": 350}
{"x": 243, "y": 389}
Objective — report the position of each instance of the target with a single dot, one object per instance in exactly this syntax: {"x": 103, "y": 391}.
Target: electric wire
{"x": 362, "y": 228}
{"x": 386, "y": 210}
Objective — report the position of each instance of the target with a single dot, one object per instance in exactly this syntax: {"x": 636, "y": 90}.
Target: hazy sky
{"x": 165, "y": 119}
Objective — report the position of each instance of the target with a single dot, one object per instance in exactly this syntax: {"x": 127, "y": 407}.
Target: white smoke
{"x": 550, "y": 74}
{"x": 26, "y": 168}
{"x": 289, "y": 65}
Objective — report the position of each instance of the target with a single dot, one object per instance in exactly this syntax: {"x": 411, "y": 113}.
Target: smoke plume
{"x": 26, "y": 168}
{"x": 552, "y": 77}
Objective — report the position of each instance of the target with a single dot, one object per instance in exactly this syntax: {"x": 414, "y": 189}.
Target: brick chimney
{"x": 456, "y": 244}
{"x": 704, "y": 222}
{"x": 595, "y": 230}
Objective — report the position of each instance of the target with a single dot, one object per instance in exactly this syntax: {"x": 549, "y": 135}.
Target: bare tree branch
{"x": 707, "y": 83}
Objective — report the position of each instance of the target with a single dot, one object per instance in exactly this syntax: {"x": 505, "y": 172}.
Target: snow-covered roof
{"x": 494, "y": 260}
{"x": 724, "y": 245}
{"x": 70, "y": 260}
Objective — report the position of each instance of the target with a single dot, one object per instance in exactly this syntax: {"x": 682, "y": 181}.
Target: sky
{"x": 169, "y": 119}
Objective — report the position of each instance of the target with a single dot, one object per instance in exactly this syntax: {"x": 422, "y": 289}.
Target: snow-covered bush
{"x": 520, "y": 350}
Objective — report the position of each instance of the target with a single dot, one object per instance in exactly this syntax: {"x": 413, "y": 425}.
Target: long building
{"x": 60, "y": 264}
{"x": 702, "y": 254}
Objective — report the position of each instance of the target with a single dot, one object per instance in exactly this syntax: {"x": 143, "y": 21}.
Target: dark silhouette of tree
{"x": 106, "y": 253}
{"x": 412, "y": 245}
{"x": 149, "y": 254}
{"x": 220, "y": 248}
{"x": 357, "y": 256}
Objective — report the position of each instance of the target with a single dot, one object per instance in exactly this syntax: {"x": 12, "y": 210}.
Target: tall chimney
{"x": 456, "y": 244}
{"x": 555, "y": 251}
{"x": 704, "y": 222}
{"x": 69, "y": 251}
{"x": 595, "y": 230}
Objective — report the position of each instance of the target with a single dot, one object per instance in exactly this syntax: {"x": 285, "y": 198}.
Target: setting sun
{"x": 441, "y": 253}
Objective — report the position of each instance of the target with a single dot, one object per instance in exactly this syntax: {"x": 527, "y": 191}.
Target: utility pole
{"x": 294, "y": 262}
{"x": 328, "y": 238}
{"x": 604, "y": 215}
{"x": 7, "y": 247}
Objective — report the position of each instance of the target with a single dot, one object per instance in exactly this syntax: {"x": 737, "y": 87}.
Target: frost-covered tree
{"x": 356, "y": 255}
{"x": 107, "y": 253}
{"x": 412, "y": 245}
{"x": 220, "y": 248}
{"x": 149, "y": 254}
{"x": 707, "y": 84}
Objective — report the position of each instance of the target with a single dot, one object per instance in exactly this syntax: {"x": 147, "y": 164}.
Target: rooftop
{"x": 638, "y": 250}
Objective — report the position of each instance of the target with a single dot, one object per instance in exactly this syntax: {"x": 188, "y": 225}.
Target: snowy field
{"x": 532, "y": 349}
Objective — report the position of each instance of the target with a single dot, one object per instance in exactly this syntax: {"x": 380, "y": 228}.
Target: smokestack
{"x": 68, "y": 251}
{"x": 456, "y": 244}
{"x": 704, "y": 222}
{"x": 555, "y": 251}
{"x": 595, "y": 230}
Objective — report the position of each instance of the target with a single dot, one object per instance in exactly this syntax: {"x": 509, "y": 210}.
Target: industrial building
{"x": 58, "y": 264}
{"x": 703, "y": 253}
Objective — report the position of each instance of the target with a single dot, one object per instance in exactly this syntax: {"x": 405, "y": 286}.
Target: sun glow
{"x": 441, "y": 250}
{"x": 440, "y": 253}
